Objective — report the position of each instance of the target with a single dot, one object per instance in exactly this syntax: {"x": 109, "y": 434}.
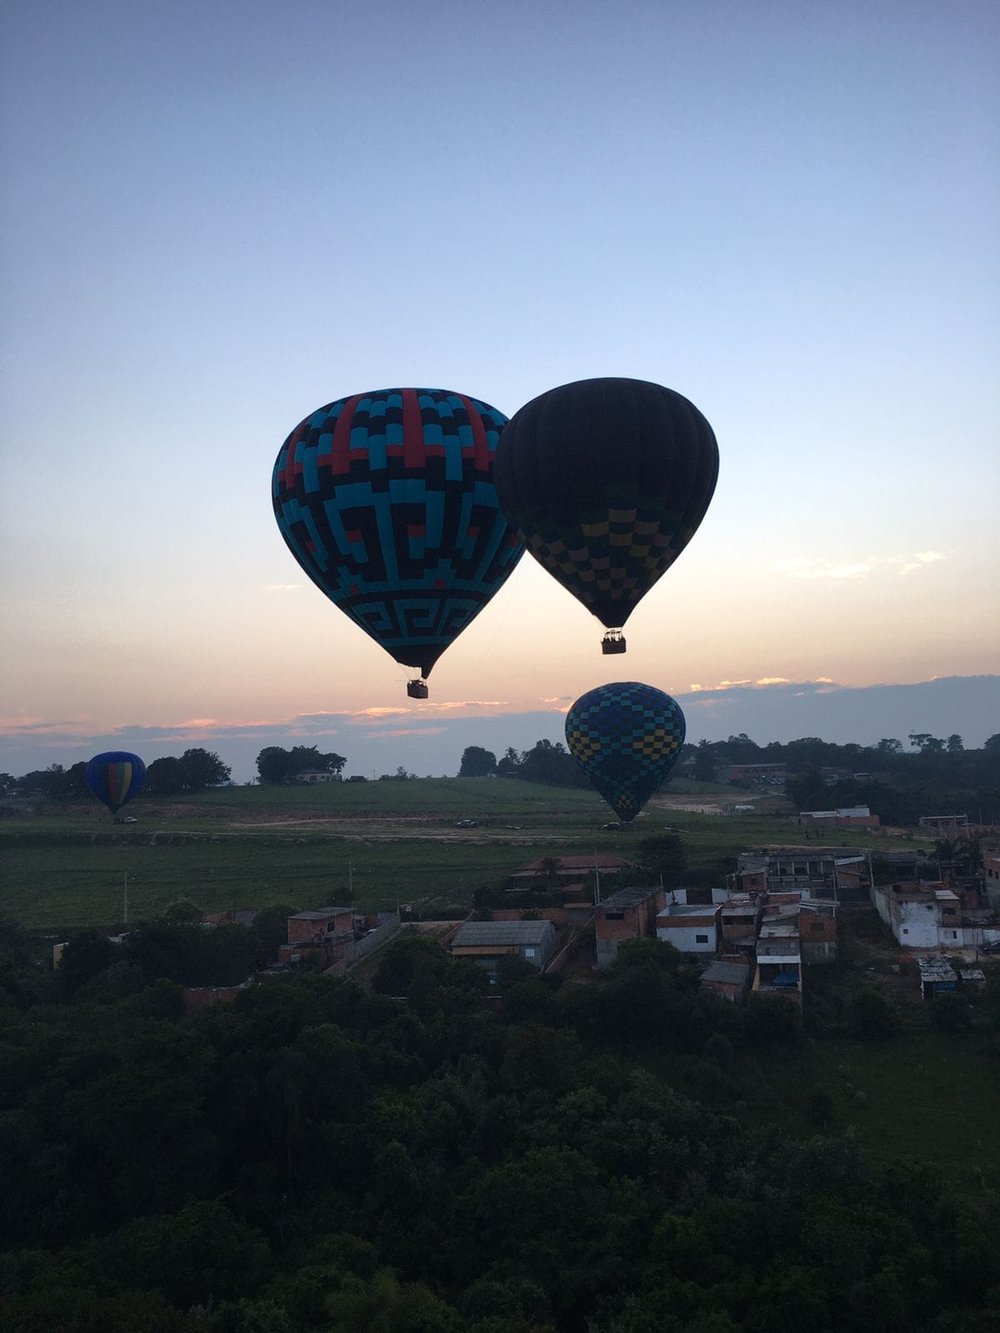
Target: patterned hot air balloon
{"x": 387, "y": 501}
{"x": 115, "y": 777}
{"x": 607, "y": 481}
{"x": 626, "y": 737}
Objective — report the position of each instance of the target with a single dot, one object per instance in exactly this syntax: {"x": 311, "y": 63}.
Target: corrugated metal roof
{"x": 475, "y": 934}
{"x": 731, "y": 973}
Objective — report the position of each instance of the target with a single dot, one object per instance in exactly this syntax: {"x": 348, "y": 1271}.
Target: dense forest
{"x": 427, "y": 1157}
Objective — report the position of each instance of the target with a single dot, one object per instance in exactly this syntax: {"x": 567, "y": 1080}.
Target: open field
{"x": 373, "y": 843}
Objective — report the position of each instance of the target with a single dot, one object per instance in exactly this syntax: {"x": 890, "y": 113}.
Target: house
{"x": 851, "y": 816}
{"x": 549, "y": 872}
{"x": 841, "y": 874}
{"x": 779, "y": 959}
{"x": 689, "y": 927}
{"x": 628, "y": 914}
{"x": 731, "y": 981}
{"x": 945, "y": 826}
{"x": 934, "y": 915}
{"x": 310, "y": 776}
{"x": 325, "y": 936}
{"x": 487, "y": 942}
{"x": 738, "y": 922}
{"x": 936, "y": 976}
{"x": 991, "y": 877}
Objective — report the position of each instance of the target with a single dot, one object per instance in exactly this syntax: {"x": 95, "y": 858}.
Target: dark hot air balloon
{"x": 115, "y": 777}
{"x": 607, "y": 481}
{"x": 386, "y": 500}
{"x": 626, "y": 737}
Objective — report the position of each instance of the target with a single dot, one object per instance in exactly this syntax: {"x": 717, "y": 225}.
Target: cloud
{"x": 404, "y": 731}
{"x": 799, "y": 567}
{"x": 909, "y": 564}
{"x": 762, "y": 682}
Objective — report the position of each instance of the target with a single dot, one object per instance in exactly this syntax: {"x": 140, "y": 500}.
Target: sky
{"x": 219, "y": 217}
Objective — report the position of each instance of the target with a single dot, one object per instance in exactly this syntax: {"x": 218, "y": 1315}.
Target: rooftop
{"x": 480, "y": 934}
{"x": 732, "y": 973}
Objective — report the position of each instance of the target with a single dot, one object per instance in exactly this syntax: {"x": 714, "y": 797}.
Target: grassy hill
{"x": 371, "y": 843}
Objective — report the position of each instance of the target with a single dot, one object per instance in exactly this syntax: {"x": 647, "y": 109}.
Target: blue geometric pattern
{"x": 386, "y": 500}
{"x": 626, "y": 737}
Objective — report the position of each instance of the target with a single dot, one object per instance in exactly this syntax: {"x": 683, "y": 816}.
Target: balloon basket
{"x": 416, "y": 689}
{"x": 613, "y": 642}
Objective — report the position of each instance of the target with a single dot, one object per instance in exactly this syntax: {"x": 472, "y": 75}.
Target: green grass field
{"x": 373, "y": 843}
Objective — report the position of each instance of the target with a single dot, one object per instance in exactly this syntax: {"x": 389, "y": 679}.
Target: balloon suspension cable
{"x": 613, "y": 642}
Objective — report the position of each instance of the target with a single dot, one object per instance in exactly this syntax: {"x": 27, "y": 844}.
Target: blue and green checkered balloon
{"x": 626, "y": 737}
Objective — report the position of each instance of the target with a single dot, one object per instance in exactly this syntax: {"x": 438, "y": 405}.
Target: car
{"x": 127, "y": 819}
{"x": 618, "y": 826}
{"x": 466, "y": 823}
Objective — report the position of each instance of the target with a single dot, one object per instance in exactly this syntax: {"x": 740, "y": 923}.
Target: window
{"x": 529, "y": 951}
{"x": 701, "y": 939}
{"x": 954, "y": 934}
{"x": 905, "y": 930}
{"x": 614, "y": 916}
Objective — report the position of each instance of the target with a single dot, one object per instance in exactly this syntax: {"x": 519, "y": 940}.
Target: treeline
{"x": 195, "y": 770}
{"x": 276, "y": 765}
{"x": 420, "y": 1158}
{"x": 545, "y": 762}
{"x": 937, "y": 776}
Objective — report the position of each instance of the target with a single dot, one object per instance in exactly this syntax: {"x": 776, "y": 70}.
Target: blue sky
{"x": 220, "y": 216}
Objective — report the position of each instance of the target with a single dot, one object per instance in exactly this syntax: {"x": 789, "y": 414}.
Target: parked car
{"x": 466, "y": 823}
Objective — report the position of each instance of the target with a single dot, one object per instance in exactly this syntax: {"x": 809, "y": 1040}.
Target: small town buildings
{"x": 935, "y": 915}
{"x": 729, "y": 980}
{"x": 628, "y": 914}
{"x": 753, "y": 775}
{"x": 486, "y": 943}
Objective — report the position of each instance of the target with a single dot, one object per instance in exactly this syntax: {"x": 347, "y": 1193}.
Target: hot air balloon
{"x": 607, "y": 481}
{"x": 626, "y": 737}
{"x": 386, "y": 500}
{"x": 115, "y": 777}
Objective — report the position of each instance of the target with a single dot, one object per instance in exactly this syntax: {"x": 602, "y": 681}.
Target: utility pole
{"x": 126, "y": 899}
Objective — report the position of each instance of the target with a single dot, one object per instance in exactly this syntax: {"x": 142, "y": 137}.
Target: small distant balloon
{"x": 386, "y": 500}
{"x": 607, "y": 481}
{"x": 115, "y": 777}
{"x": 626, "y": 737}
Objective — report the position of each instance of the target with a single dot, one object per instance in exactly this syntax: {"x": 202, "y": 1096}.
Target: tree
{"x": 925, "y": 742}
{"x": 477, "y": 762}
{"x": 202, "y": 768}
{"x": 165, "y": 777}
{"x": 954, "y": 744}
{"x": 510, "y": 764}
{"x": 871, "y": 1015}
{"x": 663, "y": 858}
{"x": 276, "y": 764}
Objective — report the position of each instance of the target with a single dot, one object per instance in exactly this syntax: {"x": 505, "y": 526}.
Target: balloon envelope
{"x": 115, "y": 777}
{"x": 607, "y": 481}
{"x": 626, "y": 737}
{"x": 387, "y": 501}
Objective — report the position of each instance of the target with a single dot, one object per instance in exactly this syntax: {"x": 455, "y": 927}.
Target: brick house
{"x": 628, "y": 914}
